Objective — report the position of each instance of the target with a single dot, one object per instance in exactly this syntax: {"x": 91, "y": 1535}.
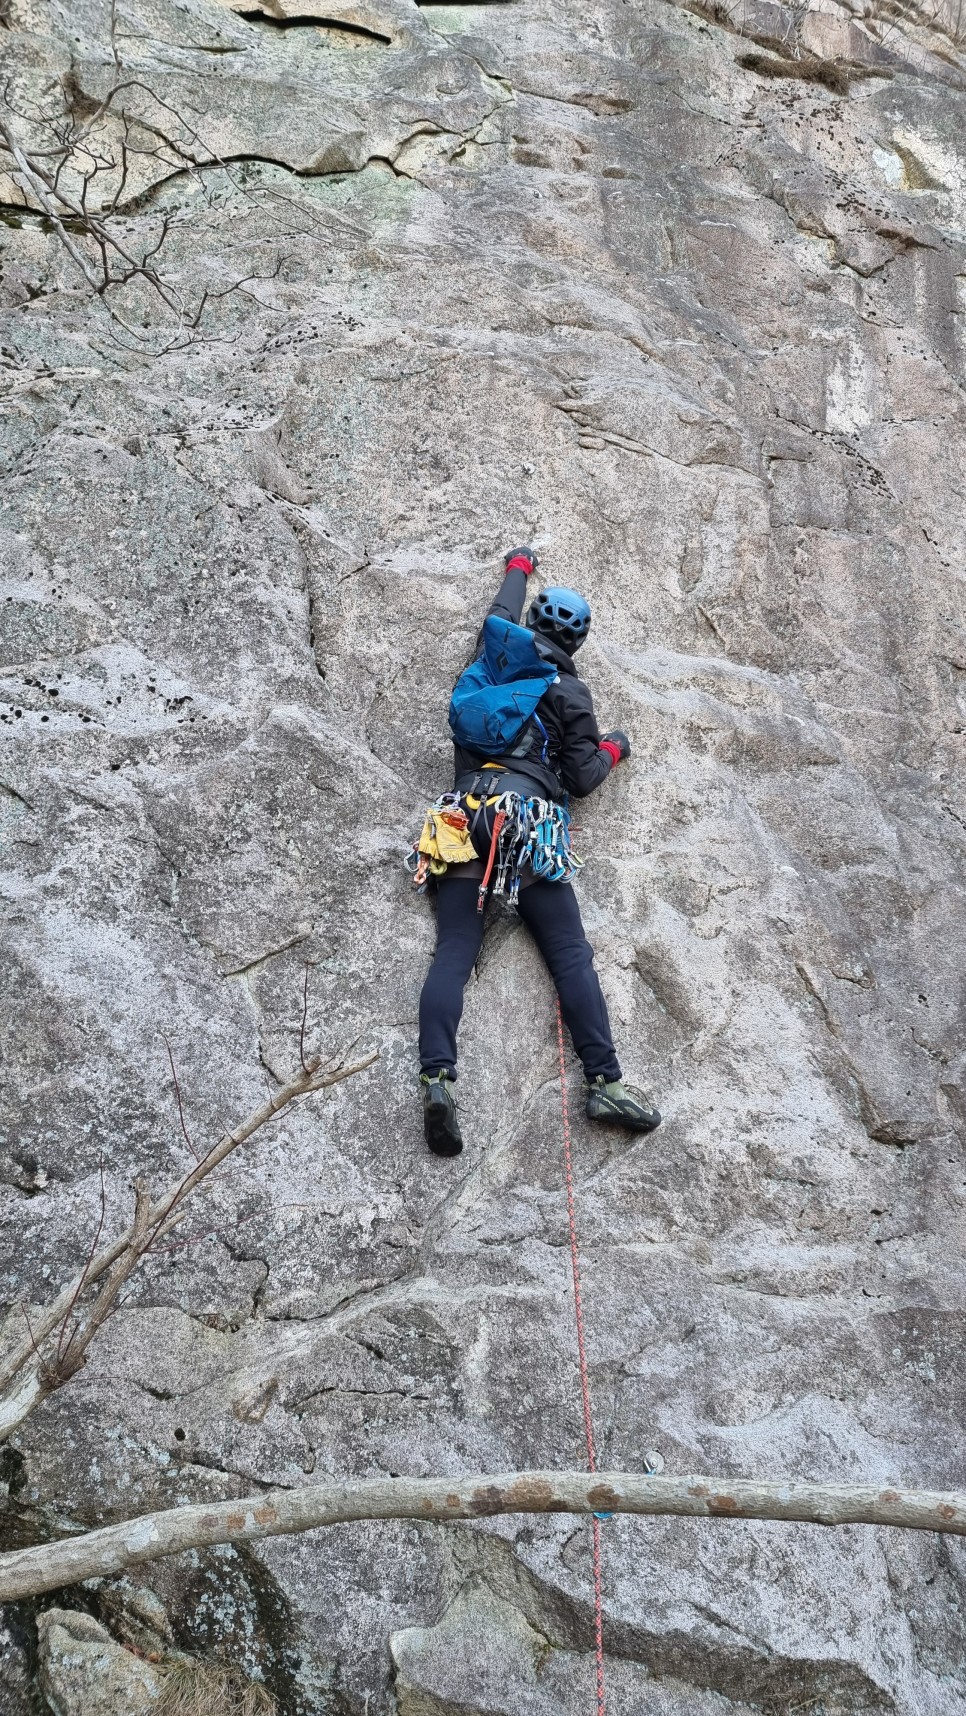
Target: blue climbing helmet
{"x": 561, "y": 615}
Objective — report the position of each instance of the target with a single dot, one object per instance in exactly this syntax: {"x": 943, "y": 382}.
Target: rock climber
{"x": 508, "y": 811}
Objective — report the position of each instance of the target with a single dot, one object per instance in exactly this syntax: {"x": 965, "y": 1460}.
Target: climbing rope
{"x": 582, "y": 1359}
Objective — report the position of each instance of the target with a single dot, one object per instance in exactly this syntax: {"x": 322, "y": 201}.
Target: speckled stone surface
{"x": 680, "y": 294}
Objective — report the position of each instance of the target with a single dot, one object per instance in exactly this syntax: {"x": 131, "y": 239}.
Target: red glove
{"x": 617, "y": 745}
{"x": 520, "y": 560}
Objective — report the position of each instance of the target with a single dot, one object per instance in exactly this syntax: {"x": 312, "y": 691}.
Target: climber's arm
{"x": 585, "y": 758}
{"x": 508, "y": 603}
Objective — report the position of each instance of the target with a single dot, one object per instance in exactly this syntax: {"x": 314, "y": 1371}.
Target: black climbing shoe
{"x": 441, "y": 1126}
{"x": 617, "y": 1105}
{"x": 527, "y": 553}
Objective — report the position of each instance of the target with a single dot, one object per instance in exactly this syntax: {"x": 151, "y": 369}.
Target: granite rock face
{"x": 679, "y": 293}
{"x": 84, "y": 1672}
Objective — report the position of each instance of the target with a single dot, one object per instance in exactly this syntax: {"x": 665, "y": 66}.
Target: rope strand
{"x": 582, "y": 1360}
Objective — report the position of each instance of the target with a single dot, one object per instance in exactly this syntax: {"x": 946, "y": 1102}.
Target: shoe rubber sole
{"x": 612, "y": 1116}
{"x": 437, "y": 1126}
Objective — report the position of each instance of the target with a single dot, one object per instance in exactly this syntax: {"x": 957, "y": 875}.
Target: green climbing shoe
{"x": 440, "y": 1124}
{"x": 618, "y": 1105}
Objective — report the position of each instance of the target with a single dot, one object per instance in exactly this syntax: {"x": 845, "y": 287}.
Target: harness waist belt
{"x": 496, "y": 780}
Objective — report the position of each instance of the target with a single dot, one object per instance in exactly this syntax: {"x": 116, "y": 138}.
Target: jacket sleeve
{"x": 582, "y": 764}
{"x": 508, "y": 602}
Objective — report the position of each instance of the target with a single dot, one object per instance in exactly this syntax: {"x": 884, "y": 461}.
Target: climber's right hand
{"x": 520, "y": 560}
{"x": 617, "y": 745}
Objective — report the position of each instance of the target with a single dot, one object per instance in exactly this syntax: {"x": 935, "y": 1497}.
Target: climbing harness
{"x": 525, "y": 834}
{"x": 582, "y": 1362}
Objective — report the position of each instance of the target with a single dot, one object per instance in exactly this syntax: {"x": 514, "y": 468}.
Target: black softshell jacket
{"x": 575, "y": 763}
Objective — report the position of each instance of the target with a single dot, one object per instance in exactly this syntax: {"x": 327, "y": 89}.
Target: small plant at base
{"x": 210, "y": 1689}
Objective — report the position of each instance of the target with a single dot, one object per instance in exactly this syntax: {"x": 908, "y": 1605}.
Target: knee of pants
{"x": 454, "y": 961}
{"x": 564, "y": 945}
{"x": 572, "y": 959}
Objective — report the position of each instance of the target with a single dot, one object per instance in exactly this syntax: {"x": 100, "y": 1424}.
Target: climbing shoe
{"x": 617, "y": 1105}
{"x": 517, "y": 557}
{"x": 440, "y": 1124}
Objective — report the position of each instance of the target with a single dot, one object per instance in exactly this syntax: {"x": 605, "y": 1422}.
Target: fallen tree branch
{"x": 114, "y": 1548}
{"x": 26, "y": 1378}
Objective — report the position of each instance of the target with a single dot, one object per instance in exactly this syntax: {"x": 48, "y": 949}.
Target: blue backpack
{"x": 497, "y": 695}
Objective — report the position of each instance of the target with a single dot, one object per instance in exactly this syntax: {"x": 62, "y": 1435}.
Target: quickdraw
{"x": 532, "y": 832}
{"x": 499, "y": 818}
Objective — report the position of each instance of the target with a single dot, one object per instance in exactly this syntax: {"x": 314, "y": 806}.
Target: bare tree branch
{"x": 87, "y": 219}
{"x": 26, "y": 1572}
{"x": 28, "y": 180}
{"x": 71, "y": 1353}
{"x": 26, "y": 1376}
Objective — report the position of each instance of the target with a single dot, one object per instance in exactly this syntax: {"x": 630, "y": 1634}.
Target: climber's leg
{"x": 441, "y": 1125}
{"x": 552, "y": 915}
{"x": 459, "y": 937}
{"x": 617, "y": 1104}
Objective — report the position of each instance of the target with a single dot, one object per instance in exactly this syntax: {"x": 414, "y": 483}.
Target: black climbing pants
{"x": 552, "y": 915}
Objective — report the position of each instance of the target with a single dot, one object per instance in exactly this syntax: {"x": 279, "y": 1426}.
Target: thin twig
{"x": 154, "y": 1250}
{"x": 305, "y": 1014}
{"x": 177, "y": 1092}
{"x": 82, "y": 1278}
{"x": 114, "y": 53}
{"x": 23, "y": 1312}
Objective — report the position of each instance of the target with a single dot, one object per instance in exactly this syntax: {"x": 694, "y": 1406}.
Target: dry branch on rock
{"x": 115, "y": 1548}
{"x": 58, "y": 1337}
{"x": 75, "y": 166}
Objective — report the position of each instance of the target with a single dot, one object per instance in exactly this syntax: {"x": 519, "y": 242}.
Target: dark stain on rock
{"x": 252, "y": 1408}
{"x": 232, "y": 1609}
